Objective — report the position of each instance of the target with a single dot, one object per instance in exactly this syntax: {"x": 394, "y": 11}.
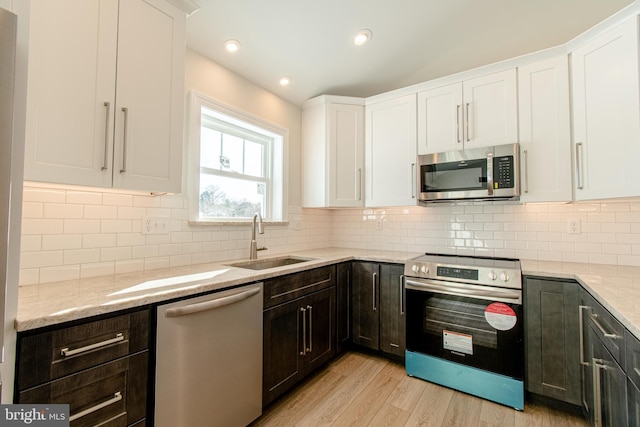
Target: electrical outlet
{"x": 295, "y": 224}
{"x": 573, "y": 226}
{"x": 155, "y": 225}
{"x": 380, "y": 224}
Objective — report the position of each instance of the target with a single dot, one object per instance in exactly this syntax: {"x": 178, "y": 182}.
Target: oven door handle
{"x": 513, "y": 296}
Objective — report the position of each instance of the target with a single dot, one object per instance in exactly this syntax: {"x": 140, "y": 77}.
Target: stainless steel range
{"x": 464, "y": 325}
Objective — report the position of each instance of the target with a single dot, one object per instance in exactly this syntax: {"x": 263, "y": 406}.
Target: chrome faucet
{"x": 253, "y": 251}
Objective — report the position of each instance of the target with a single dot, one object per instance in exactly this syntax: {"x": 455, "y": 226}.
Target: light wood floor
{"x": 363, "y": 390}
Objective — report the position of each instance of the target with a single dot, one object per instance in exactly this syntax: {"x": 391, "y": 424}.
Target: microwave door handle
{"x": 490, "y": 174}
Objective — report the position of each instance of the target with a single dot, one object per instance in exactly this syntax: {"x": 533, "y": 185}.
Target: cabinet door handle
{"x": 581, "y": 323}
{"x": 359, "y": 183}
{"x": 349, "y": 302}
{"x": 458, "y": 123}
{"x": 373, "y": 285}
{"x": 598, "y": 364}
{"x": 467, "y": 122}
{"x": 124, "y": 140}
{"x": 526, "y": 171}
{"x": 117, "y": 397}
{"x": 596, "y": 321}
{"x": 402, "y": 295}
{"x": 66, "y": 352}
{"x": 304, "y": 331}
{"x": 413, "y": 180}
{"x": 579, "y": 165}
{"x": 310, "y": 309}
{"x": 106, "y": 136}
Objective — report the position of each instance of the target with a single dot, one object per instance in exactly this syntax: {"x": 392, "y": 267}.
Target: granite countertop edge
{"x": 54, "y": 303}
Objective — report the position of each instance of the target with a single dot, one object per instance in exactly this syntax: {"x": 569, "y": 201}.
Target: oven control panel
{"x": 483, "y": 271}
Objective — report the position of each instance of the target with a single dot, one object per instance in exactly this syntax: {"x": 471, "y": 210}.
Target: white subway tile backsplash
{"x": 56, "y": 274}
{"x": 81, "y": 226}
{"x": 43, "y": 195}
{"x": 41, "y": 259}
{"x": 129, "y": 266}
{"x": 65, "y": 211}
{"x": 99, "y": 240}
{"x": 116, "y": 199}
{"x": 31, "y": 243}
{"x": 97, "y": 269}
{"x": 100, "y": 212}
{"x": 81, "y": 256}
{"x": 42, "y": 226}
{"x": 52, "y": 242}
{"x": 83, "y": 198}
{"x": 71, "y": 234}
{"x": 114, "y": 254}
{"x": 32, "y": 210}
{"x": 116, "y": 225}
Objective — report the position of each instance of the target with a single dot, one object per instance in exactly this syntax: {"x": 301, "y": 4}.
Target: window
{"x": 239, "y": 162}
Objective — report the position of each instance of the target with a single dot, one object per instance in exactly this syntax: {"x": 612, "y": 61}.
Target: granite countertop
{"x": 617, "y": 288}
{"x": 53, "y": 303}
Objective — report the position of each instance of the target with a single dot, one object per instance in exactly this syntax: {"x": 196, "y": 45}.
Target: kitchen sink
{"x": 263, "y": 264}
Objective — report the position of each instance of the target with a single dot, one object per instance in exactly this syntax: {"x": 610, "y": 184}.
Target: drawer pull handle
{"x": 66, "y": 352}
{"x": 117, "y": 397}
{"x": 594, "y": 319}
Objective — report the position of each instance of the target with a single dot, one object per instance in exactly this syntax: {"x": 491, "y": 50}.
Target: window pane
{"x": 253, "y": 153}
{"x": 222, "y": 197}
{"x": 209, "y": 148}
{"x": 232, "y": 149}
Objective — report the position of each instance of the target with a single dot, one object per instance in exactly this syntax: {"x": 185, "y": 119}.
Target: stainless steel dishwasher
{"x": 209, "y": 359}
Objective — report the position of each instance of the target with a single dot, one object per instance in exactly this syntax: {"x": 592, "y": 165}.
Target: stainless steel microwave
{"x": 485, "y": 173}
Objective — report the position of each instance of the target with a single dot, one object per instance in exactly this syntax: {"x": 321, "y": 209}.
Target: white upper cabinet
{"x": 545, "y": 131}
{"x": 106, "y": 94}
{"x": 606, "y": 114}
{"x": 478, "y": 112}
{"x": 333, "y": 152}
{"x": 391, "y": 152}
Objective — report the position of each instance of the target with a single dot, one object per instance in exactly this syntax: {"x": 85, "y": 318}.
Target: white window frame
{"x": 276, "y": 204}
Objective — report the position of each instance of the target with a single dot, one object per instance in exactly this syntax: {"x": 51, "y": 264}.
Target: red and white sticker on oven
{"x": 500, "y": 316}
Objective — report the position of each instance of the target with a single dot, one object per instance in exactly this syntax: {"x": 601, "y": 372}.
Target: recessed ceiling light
{"x": 362, "y": 37}
{"x": 232, "y": 45}
{"x": 285, "y": 81}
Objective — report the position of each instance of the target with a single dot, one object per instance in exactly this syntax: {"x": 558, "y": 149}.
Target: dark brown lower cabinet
{"x": 552, "y": 339}
{"x": 98, "y": 367}
{"x": 115, "y": 391}
{"x": 299, "y": 336}
{"x": 378, "y": 307}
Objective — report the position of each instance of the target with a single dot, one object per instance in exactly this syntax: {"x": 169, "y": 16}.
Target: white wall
{"x": 213, "y": 80}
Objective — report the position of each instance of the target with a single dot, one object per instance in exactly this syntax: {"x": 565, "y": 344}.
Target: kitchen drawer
{"x": 287, "y": 288}
{"x": 606, "y": 327}
{"x": 114, "y": 393}
{"x": 53, "y": 354}
{"x": 632, "y": 361}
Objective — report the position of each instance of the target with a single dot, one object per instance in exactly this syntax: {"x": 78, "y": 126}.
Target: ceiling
{"x": 413, "y": 40}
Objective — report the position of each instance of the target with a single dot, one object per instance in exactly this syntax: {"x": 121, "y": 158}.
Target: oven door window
{"x": 483, "y": 334}
{"x": 455, "y": 176}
